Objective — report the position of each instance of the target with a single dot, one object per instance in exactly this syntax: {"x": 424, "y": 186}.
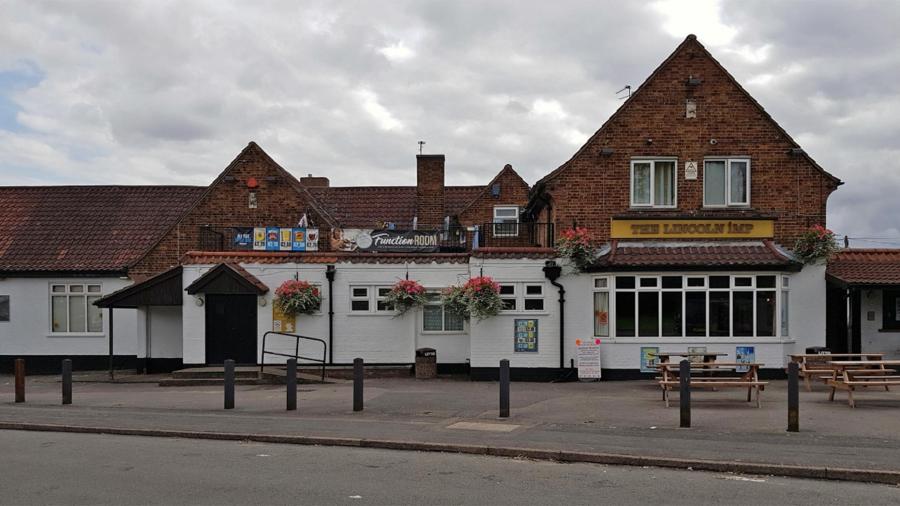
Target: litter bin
{"x": 820, "y": 350}
{"x": 426, "y": 363}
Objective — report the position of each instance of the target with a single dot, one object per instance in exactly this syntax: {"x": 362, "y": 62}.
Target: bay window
{"x": 653, "y": 183}
{"x": 726, "y": 182}
{"x": 742, "y": 305}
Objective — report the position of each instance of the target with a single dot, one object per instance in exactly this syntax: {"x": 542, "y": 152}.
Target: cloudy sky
{"x": 168, "y": 92}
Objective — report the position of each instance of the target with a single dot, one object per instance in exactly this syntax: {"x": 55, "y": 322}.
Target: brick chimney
{"x": 314, "y": 181}
{"x": 430, "y": 191}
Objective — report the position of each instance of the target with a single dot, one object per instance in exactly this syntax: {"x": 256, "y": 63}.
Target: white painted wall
{"x": 872, "y": 338}
{"x": 28, "y": 331}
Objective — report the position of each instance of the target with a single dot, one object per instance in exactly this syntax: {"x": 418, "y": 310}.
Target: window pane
{"x": 765, "y": 314}
{"x": 640, "y": 183}
{"x": 695, "y": 313}
{"x": 785, "y": 313}
{"x": 648, "y": 314}
{"x": 664, "y": 182}
{"x": 76, "y": 288}
{"x": 59, "y": 289}
{"x": 738, "y": 182}
{"x": 601, "y": 314}
{"x": 743, "y": 281}
{"x": 534, "y": 304}
{"x": 4, "y": 308}
{"x": 624, "y": 281}
{"x": 95, "y": 315}
{"x": 765, "y": 281}
{"x": 671, "y": 282}
{"x": 714, "y": 183}
{"x": 384, "y": 291}
{"x": 359, "y": 305}
{"x": 60, "y": 322}
{"x": 452, "y": 322}
{"x": 534, "y": 289}
{"x": 743, "y": 314}
{"x": 671, "y": 313}
{"x": 719, "y": 282}
{"x": 509, "y": 304}
{"x": 696, "y": 282}
{"x": 507, "y": 289}
{"x": 94, "y": 288}
{"x": 432, "y": 317}
{"x": 625, "y": 314}
{"x": 718, "y": 314}
{"x": 77, "y": 316}
{"x": 600, "y": 283}
{"x": 383, "y": 306}
{"x": 360, "y": 292}
{"x": 506, "y": 212}
{"x": 648, "y": 282}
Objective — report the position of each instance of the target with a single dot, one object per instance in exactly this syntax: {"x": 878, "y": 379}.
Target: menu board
{"x": 282, "y": 322}
{"x": 649, "y": 358}
{"x": 526, "y": 335}
{"x": 587, "y": 358}
{"x": 744, "y": 355}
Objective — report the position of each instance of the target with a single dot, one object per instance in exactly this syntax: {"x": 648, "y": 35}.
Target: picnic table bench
{"x": 849, "y": 375}
{"x": 669, "y": 377}
{"x": 815, "y": 365}
{"x": 708, "y": 356}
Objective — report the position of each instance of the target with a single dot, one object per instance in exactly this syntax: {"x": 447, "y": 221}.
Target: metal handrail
{"x": 296, "y": 355}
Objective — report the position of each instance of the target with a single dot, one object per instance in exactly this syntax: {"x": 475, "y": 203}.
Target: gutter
{"x": 553, "y": 272}
{"x": 330, "y": 272}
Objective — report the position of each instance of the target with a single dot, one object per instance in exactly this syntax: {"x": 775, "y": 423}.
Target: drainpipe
{"x": 329, "y": 274}
{"x": 553, "y": 272}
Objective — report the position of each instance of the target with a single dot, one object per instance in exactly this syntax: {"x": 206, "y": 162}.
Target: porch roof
{"x": 865, "y": 267}
{"x": 164, "y": 289}
{"x": 694, "y": 255}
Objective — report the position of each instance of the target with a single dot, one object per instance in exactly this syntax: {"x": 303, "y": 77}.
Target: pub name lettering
{"x": 692, "y": 228}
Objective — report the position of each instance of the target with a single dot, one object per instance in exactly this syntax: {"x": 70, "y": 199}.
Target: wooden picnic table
{"x": 708, "y": 356}
{"x": 669, "y": 379}
{"x": 814, "y": 365}
{"x": 852, "y": 374}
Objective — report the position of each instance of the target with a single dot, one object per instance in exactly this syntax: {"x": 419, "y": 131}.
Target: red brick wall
{"x": 226, "y": 205}
{"x": 513, "y": 192}
{"x": 594, "y": 188}
{"x": 430, "y": 190}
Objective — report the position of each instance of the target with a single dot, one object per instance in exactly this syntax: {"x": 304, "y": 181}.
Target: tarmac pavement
{"x": 621, "y": 418}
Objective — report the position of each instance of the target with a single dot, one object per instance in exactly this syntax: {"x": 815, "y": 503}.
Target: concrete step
{"x": 198, "y": 382}
{"x": 215, "y": 372}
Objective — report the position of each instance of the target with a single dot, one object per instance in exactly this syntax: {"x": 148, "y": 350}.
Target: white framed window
{"x": 718, "y": 305}
{"x": 522, "y": 296}
{"x": 506, "y": 221}
{"x": 654, "y": 183}
{"x": 369, "y": 299}
{"x": 4, "y": 308}
{"x": 435, "y": 318}
{"x": 726, "y": 182}
{"x": 785, "y": 305}
{"x": 533, "y": 297}
{"x": 72, "y": 309}
{"x": 359, "y": 299}
{"x": 601, "y": 307}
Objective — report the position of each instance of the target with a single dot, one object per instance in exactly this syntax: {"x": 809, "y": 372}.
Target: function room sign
{"x": 692, "y": 229}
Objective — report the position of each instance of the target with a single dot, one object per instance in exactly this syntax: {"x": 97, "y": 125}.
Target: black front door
{"x": 230, "y": 328}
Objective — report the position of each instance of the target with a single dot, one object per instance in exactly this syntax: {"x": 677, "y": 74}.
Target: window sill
{"x": 889, "y": 331}
{"x": 444, "y": 333}
{"x": 372, "y": 313}
{"x": 76, "y": 334}
{"x": 524, "y": 313}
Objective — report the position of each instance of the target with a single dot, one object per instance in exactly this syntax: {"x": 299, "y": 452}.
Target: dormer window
{"x": 653, "y": 183}
{"x": 726, "y": 182}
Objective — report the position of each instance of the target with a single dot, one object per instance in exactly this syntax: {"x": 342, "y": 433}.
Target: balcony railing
{"x": 523, "y": 234}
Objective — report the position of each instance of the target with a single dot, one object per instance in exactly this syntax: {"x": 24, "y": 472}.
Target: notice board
{"x": 525, "y": 335}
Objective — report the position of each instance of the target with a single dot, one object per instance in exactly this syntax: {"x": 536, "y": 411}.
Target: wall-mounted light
{"x": 649, "y": 140}
{"x": 262, "y": 301}
{"x": 607, "y": 151}
{"x": 198, "y": 300}
{"x": 713, "y": 142}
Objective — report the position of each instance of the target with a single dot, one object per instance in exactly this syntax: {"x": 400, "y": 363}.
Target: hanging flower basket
{"x": 479, "y": 298}
{"x": 297, "y": 297}
{"x": 575, "y": 244}
{"x": 817, "y": 243}
{"x": 405, "y": 295}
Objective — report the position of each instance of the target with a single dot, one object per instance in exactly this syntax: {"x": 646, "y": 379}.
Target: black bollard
{"x": 20, "y": 380}
{"x": 358, "y": 372}
{"x": 229, "y": 384}
{"x": 504, "y": 388}
{"x": 291, "y": 384}
{"x": 793, "y": 397}
{"x": 684, "y": 379}
{"x": 67, "y": 381}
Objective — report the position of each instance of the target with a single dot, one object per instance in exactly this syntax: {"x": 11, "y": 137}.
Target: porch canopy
{"x": 164, "y": 289}
{"x": 693, "y": 256}
{"x": 865, "y": 268}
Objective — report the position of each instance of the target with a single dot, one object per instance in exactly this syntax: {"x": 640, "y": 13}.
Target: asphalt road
{"x": 58, "y": 468}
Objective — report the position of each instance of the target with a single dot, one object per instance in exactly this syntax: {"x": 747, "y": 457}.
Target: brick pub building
{"x": 693, "y": 194}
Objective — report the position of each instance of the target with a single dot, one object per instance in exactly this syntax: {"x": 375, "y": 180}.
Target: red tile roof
{"x": 865, "y": 266}
{"x": 363, "y": 206}
{"x": 514, "y": 252}
{"x": 646, "y": 255}
{"x": 85, "y": 228}
{"x": 254, "y": 257}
